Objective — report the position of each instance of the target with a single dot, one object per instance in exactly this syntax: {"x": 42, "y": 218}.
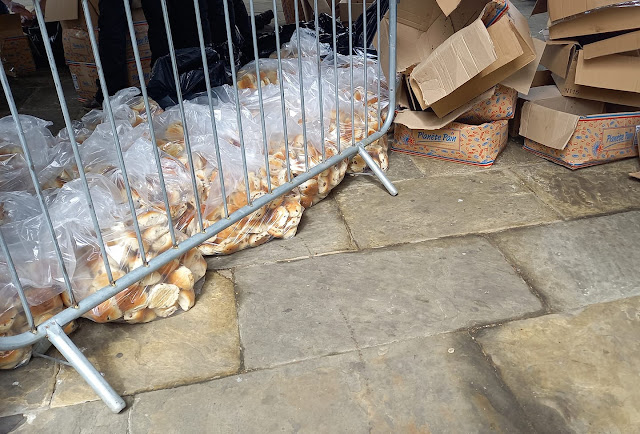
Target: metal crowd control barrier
{"x": 52, "y": 328}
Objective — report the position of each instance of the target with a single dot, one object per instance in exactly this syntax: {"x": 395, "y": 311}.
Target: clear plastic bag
{"x": 40, "y": 276}
{"x": 52, "y": 160}
{"x": 160, "y": 294}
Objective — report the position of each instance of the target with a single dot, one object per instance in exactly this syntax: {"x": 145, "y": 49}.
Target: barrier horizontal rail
{"x": 51, "y": 329}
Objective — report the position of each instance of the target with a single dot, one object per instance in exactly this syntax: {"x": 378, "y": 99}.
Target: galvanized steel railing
{"x": 52, "y": 328}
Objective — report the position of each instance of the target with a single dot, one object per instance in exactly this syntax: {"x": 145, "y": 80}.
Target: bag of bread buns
{"x": 126, "y": 105}
{"x": 33, "y": 255}
{"x": 52, "y": 161}
{"x": 161, "y": 293}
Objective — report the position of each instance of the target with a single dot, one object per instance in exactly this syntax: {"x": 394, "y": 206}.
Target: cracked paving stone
{"x": 440, "y": 206}
{"x": 573, "y": 372}
{"x": 321, "y": 230}
{"x": 319, "y": 306}
{"x": 412, "y": 386}
{"x": 92, "y": 417}
{"x": 197, "y": 345}
{"x": 581, "y": 262}
{"x": 28, "y": 387}
{"x": 593, "y": 190}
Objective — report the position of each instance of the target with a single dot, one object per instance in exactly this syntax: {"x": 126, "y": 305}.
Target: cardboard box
{"x": 356, "y": 9}
{"x": 478, "y": 145}
{"x": 563, "y": 58}
{"x": 457, "y": 54}
{"x": 636, "y": 174}
{"x": 578, "y": 133}
{"x": 85, "y": 76}
{"x": 501, "y": 106}
{"x": 15, "y": 50}
{"x": 611, "y": 19}
{"x": 542, "y": 87}
{"x": 561, "y": 9}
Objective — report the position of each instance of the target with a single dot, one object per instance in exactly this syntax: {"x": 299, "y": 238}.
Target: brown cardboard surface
{"x": 61, "y": 10}
{"x": 557, "y": 56}
{"x": 615, "y": 71}
{"x": 463, "y": 56}
{"x": 427, "y": 120}
{"x": 483, "y": 82}
{"x": 15, "y": 50}
{"x": 617, "y": 44}
{"x": 522, "y": 80}
{"x": 542, "y": 78}
{"x": 421, "y": 14}
{"x": 559, "y": 9}
{"x": 546, "y": 125}
{"x": 597, "y": 22}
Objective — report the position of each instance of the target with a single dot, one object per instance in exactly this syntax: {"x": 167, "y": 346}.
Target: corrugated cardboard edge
{"x": 425, "y": 120}
{"x": 617, "y": 44}
{"x": 547, "y": 126}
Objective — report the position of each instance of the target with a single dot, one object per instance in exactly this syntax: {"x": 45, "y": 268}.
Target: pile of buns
{"x": 159, "y": 294}
{"x": 44, "y": 304}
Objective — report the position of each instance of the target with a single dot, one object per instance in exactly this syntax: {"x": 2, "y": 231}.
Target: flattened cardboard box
{"x": 15, "y": 50}
{"x": 566, "y": 60}
{"x": 576, "y": 133}
{"x": 445, "y": 79}
{"x": 478, "y": 145}
{"x": 560, "y": 9}
{"x": 610, "y": 19}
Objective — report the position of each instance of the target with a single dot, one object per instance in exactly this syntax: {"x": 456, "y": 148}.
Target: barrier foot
{"x": 393, "y": 191}
{"x": 68, "y": 349}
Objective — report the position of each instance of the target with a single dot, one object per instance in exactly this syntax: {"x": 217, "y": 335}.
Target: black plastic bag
{"x": 372, "y": 24}
{"x": 161, "y": 85}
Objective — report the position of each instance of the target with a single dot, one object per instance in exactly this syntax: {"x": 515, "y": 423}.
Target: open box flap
{"x": 428, "y": 120}
{"x": 617, "y": 44}
{"x": 546, "y": 125}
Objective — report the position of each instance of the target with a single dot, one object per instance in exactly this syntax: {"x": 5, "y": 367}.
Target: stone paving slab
{"x": 315, "y": 396}
{"x": 414, "y": 386}
{"x": 581, "y": 262}
{"x": 512, "y": 155}
{"x": 321, "y": 230}
{"x": 438, "y": 384}
{"x": 304, "y": 309}
{"x": 401, "y": 167}
{"x": 573, "y": 372}
{"x": 92, "y": 417}
{"x": 198, "y": 345}
{"x": 585, "y": 192}
{"x": 440, "y": 206}
{"x": 27, "y": 387}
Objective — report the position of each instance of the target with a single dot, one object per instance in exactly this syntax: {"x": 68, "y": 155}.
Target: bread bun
{"x": 163, "y": 295}
{"x": 7, "y": 318}
{"x": 182, "y": 277}
{"x": 165, "y": 312}
{"x": 196, "y": 263}
{"x": 152, "y": 218}
{"x": 132, "y": 299}
{"x": 259, "y": 239}
{"x": 140, "y": 316}
{"x": 106, "y": 311}
{"x": 13, "y": 358}
{"x": 186, "y": 300}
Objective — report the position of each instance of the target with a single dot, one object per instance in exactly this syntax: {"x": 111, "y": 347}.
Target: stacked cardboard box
{"x": 15, "y": 50}
{"x": 462, "y": 64}
{"x": 589, "y": 116}
{"x": 77, "y": 45}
